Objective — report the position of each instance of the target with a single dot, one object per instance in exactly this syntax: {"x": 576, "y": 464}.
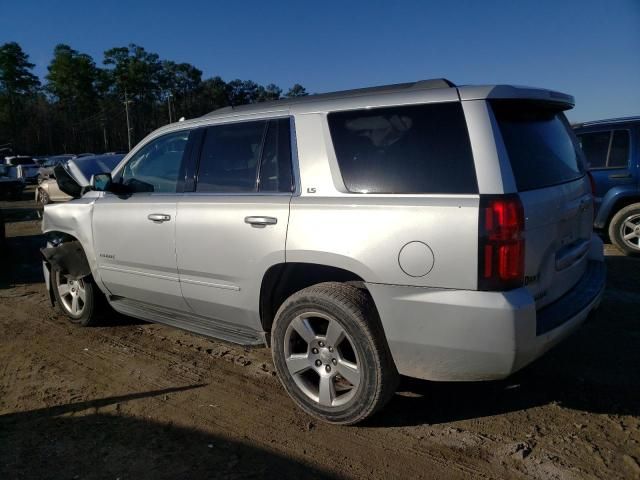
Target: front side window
{"x": 156, "y": 166}
{"x": 405, "y": 150}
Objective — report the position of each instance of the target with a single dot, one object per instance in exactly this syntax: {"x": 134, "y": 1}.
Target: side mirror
{"x": 101, "y": 182}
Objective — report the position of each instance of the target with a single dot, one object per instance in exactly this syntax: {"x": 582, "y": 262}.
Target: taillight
{"x": 500, "y": 242}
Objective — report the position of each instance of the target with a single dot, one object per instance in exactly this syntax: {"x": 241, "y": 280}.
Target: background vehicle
{"x": 48, "y": 164}
{"x": 26, "y": 168}
{"x": 48, "y": 191}
{"x": 612, "y": 150}
{"x": 10, "y": 185}
{"x": 423, "y": 229}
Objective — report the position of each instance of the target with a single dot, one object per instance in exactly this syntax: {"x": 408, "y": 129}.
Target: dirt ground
{"x": 134, "y": 400}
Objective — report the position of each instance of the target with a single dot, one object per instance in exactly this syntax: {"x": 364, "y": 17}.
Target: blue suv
{"x": 612, "y": 150}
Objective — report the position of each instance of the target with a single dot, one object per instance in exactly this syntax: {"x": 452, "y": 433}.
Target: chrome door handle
{"x": 159, "y": 217}
{"x": 260, "y": 221}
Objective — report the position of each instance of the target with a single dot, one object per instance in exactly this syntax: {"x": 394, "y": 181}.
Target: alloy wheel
{"x": 73, "y": 294}
{"x": 630, "y": 231}
{"x": 322, "y": 359}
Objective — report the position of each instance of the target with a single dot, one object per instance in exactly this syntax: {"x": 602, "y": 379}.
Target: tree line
{"x": 82, "y": 107}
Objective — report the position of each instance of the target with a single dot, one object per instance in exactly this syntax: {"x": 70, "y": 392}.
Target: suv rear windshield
{"x": 540, "y": 144}
{"x": 409, "y": 149}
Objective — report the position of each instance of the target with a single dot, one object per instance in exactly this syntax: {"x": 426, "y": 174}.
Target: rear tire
{"x": 78, "y": 300}
{"x": 624, "y": 229}
{"x": 331, "y": 355}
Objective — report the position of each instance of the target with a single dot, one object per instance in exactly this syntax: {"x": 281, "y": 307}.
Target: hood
{"x": 74, "y": 176}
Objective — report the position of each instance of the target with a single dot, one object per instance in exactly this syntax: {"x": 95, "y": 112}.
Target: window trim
{"x": 295, "y": 167}
{"x": 611, "y": 132}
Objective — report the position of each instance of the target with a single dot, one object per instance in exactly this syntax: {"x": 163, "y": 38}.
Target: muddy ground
{"x": 136, "y": 400}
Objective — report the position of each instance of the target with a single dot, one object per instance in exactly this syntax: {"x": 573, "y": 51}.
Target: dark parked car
{"x": 10, "y": 185}
{"x": 612, "y": 150}
{"x": 3, "y": 241}
{"x": 27, "y": 168}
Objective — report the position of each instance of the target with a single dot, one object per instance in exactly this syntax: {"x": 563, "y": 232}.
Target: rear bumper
{"x": 453, "y": 335}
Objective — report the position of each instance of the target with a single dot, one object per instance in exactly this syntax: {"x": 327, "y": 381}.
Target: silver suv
{"x": 422, "y": 229}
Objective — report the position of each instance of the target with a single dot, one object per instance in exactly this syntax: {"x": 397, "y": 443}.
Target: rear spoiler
{"x": 511, "y": 92}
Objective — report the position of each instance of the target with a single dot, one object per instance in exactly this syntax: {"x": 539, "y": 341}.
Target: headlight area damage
{"x": 66, "y": 256}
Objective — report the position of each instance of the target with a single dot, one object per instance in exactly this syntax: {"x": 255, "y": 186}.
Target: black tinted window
{"x": 539, "y": 143}
{"x": 410, "y": 149}
{"x": 619, "y": 154}
{"x": 275, "y": 168}
{"x": 230, "y": 157}
{"x": 595, "y": 147}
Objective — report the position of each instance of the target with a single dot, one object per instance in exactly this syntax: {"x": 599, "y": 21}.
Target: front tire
{"x": 76, "y": 299}
{"x": 624, "y": 229}
{"x": 331, "y": 355}
{"x": 43, "y": 197}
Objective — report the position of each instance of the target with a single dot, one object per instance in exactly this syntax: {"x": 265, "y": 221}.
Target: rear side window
{"x": 230, "y": 157}
{"x": 275, "y": 168}
{"x": 608, "y": 149}
{"x": 246, "y": 157}
{"x": 539, "y": 142}
{"x": 409, "y": 149}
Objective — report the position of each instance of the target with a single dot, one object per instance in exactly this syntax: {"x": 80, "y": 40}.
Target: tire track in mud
{"x": 127, "y": 359}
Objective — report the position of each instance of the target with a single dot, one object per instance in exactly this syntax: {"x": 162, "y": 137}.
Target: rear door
{"x": 608, "y": 157}
{"x": 233, "y": 226}
{"x": 555, "y": 192}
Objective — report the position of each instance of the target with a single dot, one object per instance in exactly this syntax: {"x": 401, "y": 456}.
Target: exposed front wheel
{"x": 331, "y": 355}
{"x": 624, "y": 229}
{"x": 75, "y": 298}
{"x": 43, "y": 197}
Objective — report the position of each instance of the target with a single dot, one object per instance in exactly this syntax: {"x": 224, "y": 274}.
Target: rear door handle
{"x": 260, "y": 221}
{"x": 620, "y": 175}
{"x": 159, "y": 217}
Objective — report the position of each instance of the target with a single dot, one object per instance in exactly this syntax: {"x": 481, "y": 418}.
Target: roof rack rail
{"x": 419, "y": 85}
{"x": 608, "y": 120}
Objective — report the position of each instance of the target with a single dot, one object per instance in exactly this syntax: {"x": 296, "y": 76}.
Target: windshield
{"x": 540, "y": 143}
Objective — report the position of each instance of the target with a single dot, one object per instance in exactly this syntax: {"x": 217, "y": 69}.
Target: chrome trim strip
{"x": 134, "y": 272}
{"x": 214, "y": 285}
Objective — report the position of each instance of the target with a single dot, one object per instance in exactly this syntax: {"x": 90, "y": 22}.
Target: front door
{"x": 233, "y": 227}
{"x": 134, "y": 231}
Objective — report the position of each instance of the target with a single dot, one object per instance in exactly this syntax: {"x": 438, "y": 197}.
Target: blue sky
{"x": 589, "y": 48}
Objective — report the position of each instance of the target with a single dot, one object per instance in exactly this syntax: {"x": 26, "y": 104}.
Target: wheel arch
{"x": 612, "y": 203}
{"x": 65, "y": 251}
{"x": 282, "y": 280}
